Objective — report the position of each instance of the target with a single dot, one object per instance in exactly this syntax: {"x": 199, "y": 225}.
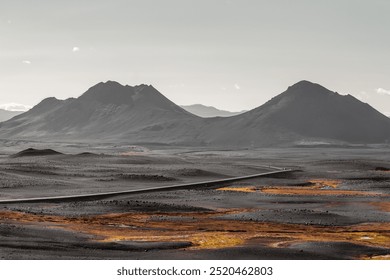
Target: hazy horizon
{"x": 232, "y": 55}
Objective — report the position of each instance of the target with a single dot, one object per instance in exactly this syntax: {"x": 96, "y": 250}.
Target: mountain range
{"x": 110, "y": 112}
{"x": 209, "y": 111}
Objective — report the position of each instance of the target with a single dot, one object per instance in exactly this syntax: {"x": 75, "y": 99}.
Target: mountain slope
{"x": 304, "y": 112}
{"x": 313, "y": 111}
{"x": 208, "y": 111}
{"x": 106, "y": 111}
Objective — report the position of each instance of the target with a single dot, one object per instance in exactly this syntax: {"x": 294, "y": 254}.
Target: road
{"x": 96, "y": 196}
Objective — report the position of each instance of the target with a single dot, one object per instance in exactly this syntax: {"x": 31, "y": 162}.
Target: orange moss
{"x": 205, "y": 230}
{"x": 317, "y": 184}
{"x": 377, "y": 257}
{"x": 248, "y": 189}
{"x": 314, "y": 192}
{"x": 322, "y": 183}
{"x": 383, "y": 206}
{"x": 319, "y": 187}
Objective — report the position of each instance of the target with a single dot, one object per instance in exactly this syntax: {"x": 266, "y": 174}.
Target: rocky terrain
{"x": 335, "y": 206}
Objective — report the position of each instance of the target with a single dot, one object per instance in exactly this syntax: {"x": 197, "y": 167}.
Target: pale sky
{"x": 230, "y": 54}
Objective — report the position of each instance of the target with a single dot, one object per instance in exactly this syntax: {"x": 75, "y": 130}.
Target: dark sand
{"x": 336, "y": 207}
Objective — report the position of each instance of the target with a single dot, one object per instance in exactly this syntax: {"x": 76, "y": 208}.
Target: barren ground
{"x": 336, "y": 207}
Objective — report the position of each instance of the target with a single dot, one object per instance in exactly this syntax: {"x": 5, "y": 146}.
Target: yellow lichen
{"x": 208, "y": 232}
{"x": 248, "y": 189}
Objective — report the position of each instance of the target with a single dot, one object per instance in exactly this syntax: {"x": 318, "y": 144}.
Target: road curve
{"x": 144, "y": 190}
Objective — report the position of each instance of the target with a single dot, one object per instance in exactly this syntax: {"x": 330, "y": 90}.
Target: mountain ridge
{"x": 209, "y": 111}
{"x": 106, "y": 110}
{"x": 110, "y": 111}
{"x": 305, "y": 112}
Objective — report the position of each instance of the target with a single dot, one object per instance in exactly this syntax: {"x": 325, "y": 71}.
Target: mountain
{"x": 105, "y": 112}
{"x": 305, "y": 112}
{"x": 208, "y": 111}
{"x": 110, "y": 112}
{"x": 6, "y": 115}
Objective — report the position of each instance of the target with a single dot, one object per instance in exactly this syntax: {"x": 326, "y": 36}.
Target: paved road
{"x": 96, "y": 196}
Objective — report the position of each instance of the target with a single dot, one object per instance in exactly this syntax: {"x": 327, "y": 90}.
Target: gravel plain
{"x": 335, "y": 206}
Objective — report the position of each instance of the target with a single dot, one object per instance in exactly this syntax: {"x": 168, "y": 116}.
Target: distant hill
{"x": 208, "y": 111}
{"x": 110, "y": 112}
{"x": 35, "y": 152}
{"x": 6, "y": 115}
{"x": 305, "y": 112}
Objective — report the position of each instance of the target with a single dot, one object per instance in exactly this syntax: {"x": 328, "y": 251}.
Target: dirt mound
{"x": 36, "y": 152}
{"x": 86, "y": 154}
